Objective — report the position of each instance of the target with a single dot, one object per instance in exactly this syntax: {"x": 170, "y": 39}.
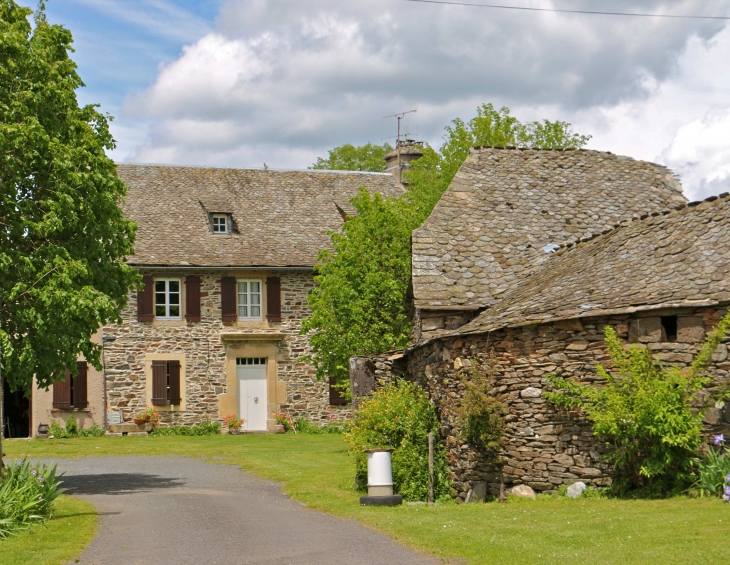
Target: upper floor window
{"x": 167, "y": 299}
{"x": 220, "y": 223}
{"x": 249, "y": 300}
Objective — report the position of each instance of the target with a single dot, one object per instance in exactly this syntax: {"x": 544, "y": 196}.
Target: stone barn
{"x": 662, "y": 281}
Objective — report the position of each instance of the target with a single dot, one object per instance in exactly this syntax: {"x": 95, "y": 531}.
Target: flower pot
{"x": 140, "y": 421}
{"x": 235, "y": 431}
{"x": 280, "y": 429}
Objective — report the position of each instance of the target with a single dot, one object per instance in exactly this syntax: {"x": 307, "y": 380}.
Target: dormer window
{"x": 220, "y": 223}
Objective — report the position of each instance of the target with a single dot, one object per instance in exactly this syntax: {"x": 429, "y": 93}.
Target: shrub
{"x": 481, "y": 415}
{"x": 285, "y": 421}
{"x": 94, "y": 431}
{"x": 205, "y": 428}
{"x": 27, "y": 493}
{"x": 151, "y": 416}
{"x": 72, "y": 430}
{"x": 644, "y": 413}
{"x": 399, "y": 417}
{"x": 304, "y": 426}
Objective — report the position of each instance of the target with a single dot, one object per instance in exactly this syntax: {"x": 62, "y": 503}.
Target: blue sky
{"x": 239, "y": 82}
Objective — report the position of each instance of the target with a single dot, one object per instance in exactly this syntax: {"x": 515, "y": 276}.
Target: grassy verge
{"x": 61, "y": 539}
{"x": 317, "y": 471}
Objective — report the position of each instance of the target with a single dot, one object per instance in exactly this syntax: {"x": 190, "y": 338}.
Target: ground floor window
{"x": 166, "y": 386}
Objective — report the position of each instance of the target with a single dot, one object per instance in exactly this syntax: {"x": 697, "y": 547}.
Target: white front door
{"x": 252, "y": 401}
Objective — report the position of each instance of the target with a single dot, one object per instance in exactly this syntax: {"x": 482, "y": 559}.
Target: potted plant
{"x": 233, "y": 423}
{"x": 283, "y": 423}
{"x": 149, "y": 416}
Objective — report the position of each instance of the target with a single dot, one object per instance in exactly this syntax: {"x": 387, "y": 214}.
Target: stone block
{"x": 129, "y": 428}
{"x": 522, "y": 491}
{"x": 577, "y": 346}
{"x": 720, "y": 354}
{"x": 645, "y": 330}
{"x": 690, "y": 329}
{"x": 113, "y": 434}
{"x": 531, "y": 392}
{"x": 479, "y": 491}
{"x": 576, "y": 490}
{"x": 569, "y": 325}
{"x": 137, "y": 434}
{"x": 431, "y": 324}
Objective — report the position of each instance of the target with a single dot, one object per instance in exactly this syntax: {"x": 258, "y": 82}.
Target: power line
{"x": 591, "y": 12}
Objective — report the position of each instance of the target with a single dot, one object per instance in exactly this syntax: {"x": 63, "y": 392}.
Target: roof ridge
{"x": 642, "y": 217}
{"x": 270, "y": 169}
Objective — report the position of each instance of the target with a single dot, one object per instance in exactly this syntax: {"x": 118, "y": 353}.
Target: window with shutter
{"x": 249, "y": 299}
{"x": 173, "y": 382}
{"x": 166, "y": 383}
{"x": 273, "y": 299}
{"x": 62, "y": 394}
{"x": 159, "y": 383}
{"x": 79, "y": 385}
{"x": 145, "y": 300}
{"x": 228, "y": 299}
{"x": 192, "y": 298}
{"x": 336, "y": 398}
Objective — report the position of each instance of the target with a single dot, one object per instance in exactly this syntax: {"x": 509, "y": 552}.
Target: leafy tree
{"x": 63, "y": 238}
{"x": 347, "y": 157}
{"x": 359, "y": 307}
{"x": 644, "y": 411}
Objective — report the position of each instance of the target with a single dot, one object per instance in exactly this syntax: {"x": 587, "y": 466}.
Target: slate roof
{"x": 280, "y": 218}
{"x": 671, "y": 260}
{"x": 504, "y": 205}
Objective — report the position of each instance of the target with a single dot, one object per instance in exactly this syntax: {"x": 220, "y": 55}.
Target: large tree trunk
{"x": 2, "y": 414}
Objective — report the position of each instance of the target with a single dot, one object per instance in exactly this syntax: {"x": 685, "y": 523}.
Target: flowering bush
{"x": 204, "y": 428}
{"x": 27, "y": 493}
{"x": 232, "y": 422}
{"x": 644, "y": 412}
{"x": 151, "y": 415}
{"x": 713, "y": 472}
{"x": 399, "y": 417}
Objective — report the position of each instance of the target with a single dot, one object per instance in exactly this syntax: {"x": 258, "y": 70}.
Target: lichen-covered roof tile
{"x": 505, "y": 205}
{"x": 628, "y": 268}
{"x": 281, "y": 217}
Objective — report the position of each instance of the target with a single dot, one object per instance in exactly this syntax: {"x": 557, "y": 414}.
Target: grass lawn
{"x": 317, "y": 470}
{"x": 56, "y": 542}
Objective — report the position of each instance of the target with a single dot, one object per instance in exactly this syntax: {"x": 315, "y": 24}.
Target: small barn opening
{"x": 16, "y": 413}
{"x": 669, "y": 328}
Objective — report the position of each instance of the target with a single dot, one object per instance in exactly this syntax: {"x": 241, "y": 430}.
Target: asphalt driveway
{"x": 179, "y": 511}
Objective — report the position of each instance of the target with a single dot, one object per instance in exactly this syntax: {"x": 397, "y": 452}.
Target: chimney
{"x": 400, "y": 158}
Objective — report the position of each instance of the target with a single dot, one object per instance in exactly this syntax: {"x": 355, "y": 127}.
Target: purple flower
{"x": 34, "y": 472}
{"x": 40, "y": 479}
{"x": 728, "y": 478}
{"x": 727, "y": 490}
{"x": 719, "y": 438}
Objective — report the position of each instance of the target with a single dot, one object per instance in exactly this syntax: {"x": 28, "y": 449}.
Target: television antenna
{"x": 400, "y": 116}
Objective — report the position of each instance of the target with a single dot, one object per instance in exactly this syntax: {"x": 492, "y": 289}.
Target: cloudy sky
{"x": 242, "y": 82}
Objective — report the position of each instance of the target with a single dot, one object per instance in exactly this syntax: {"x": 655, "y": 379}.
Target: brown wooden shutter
{"x": 336, "y": 399}
{"x": 273, "y": 299}
{"x": 192, "y": 298}
{"x": 146, "y": 300}
{"x": 174, "y": 381}
{"x": 79, "y": 386}
{"x": 62, "y": 393}
{"x": 228, "y": 299}
{"x": 159, "y": 383}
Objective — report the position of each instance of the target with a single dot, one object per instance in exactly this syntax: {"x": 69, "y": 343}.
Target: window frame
{"x": 248, "y": 304}
{"x": 226, "y": 224}
{"x": 167, "y": 317}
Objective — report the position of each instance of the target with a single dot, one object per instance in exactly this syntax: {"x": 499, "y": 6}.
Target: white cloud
{"x": 282, "y": 82}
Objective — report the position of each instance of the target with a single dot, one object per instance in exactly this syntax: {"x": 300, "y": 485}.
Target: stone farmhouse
{"x": 227, "y": 259}
{"x": 526, "y": 258}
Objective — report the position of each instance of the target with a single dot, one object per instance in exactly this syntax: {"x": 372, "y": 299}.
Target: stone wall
{"x": 127, "y": 344}
{"x": 426, "y": 323}
{"x": 547, "y": 448}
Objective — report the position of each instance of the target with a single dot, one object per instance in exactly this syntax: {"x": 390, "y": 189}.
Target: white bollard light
{"x": 380, "y": 480}
{"x": 380, "y": 473}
